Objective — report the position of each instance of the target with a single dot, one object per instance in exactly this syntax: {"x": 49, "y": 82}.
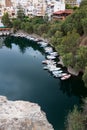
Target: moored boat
{"x": 50, "y": 57}
{"x": 66, "y": 77}
{"x": 52, "y": 62}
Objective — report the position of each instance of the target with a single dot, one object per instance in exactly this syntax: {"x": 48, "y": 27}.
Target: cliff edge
{"x": 22, "y": 115}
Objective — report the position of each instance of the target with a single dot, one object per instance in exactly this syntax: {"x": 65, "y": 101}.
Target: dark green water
{"x": 22, "y": 78}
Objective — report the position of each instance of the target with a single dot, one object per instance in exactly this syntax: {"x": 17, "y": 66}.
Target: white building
{"x": 35, "y": 7}
{"x": 2, "y": 2}
{"x": 59, "y": 5}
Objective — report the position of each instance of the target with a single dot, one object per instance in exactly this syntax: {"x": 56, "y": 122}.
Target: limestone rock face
{"x": 22, "y": 115}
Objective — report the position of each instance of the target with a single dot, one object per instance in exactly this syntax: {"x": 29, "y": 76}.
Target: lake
{"x": 22, "y": 78}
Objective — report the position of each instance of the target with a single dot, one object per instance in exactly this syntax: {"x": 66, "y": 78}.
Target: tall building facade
{"x": 33, "y": 7}
{"x": 8, "y": 3}
{"x": 71, "y": 2}
{"x": 2, "y": 3}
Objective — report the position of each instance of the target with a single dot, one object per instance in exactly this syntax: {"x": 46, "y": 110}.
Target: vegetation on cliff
{"x": 77, "y": 119}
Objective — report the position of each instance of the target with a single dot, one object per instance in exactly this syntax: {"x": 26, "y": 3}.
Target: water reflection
{"x": 22, "y": 77}
{"x": 23, "y": 43}
{"x": 69, "y": 87}
{"x": 74, "y": 87}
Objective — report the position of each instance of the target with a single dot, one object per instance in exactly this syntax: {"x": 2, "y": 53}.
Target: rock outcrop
{"x": 22, "y": 115}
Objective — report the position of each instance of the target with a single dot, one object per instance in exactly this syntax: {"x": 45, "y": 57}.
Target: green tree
{"x": 29, "y": 27}
{"x": 84, "y": 24}
{"x": 37, "y": 20}
{"x": 81, "y": 58}
{"x": 83, "y": 3}
{"x": 16, "y": 24}
{"x": 42, "y": 29}
{"x": 75, "y": 120}
{"x": 68, "y": 59}
{"x": 56, "y": 38}
{"x": 6, "y": 20}
{"x": 73, "y": 20}
{"x": 20, "y": 13}
{"x": 70, "y": 42}
{"x": 68, "y": 6}
{"x": 85, "y": 76}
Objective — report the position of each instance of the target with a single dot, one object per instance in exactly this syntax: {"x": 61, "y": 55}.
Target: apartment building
{"x": 72, "y": 2}
{"x": 2, "y": 2}
{"x": 8, "y": 3}
{"x": 33, "y": 7}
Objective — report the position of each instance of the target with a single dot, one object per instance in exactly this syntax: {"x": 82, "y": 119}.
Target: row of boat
{"x": 51, "y": 65}
{"x": 56, "y": 71}
{"x": 4, "y": 33}
{"x": 27, "y": 36}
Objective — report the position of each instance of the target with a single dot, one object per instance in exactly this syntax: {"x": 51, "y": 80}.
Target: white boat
{"x": 54, "y": 53}
{"x": 43, "y": 44}
{"x": 63, "y": 74}
{"x": 48, "y": 49}
{"x": 49, "y": 62}
{"x": 37, "y": 40}
{"x": 49, "y": 66}
{"x": 57, "y": 75}
{"x": 28, "y": 37}
{"x": 32, "y": 38}
{"x": 50, "y": 57}
{"x": 66, "y": 77}
{"x": 45, "y": 67}
{"x": 57, "y": 71}
{"x": 54, "y": 69}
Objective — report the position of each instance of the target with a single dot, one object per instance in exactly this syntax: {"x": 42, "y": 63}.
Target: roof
{"x": 67, "y": 11}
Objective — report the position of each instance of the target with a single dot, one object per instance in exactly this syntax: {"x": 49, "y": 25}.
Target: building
{"x": 32, "y": 7}
{"x": 2, "y": 3}
{"x": 59, "y": 5}
{"x": 72, "y": 3}
{"x": 61, "y": 15}
{"x": 8, "y": 3}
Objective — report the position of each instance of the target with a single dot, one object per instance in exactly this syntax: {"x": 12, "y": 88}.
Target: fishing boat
{"x": 48, "y": 49}
{"x": 54, "y": 53}
{"x": 45, "y": 68}
{"x": 52, "y": 62}
{"x": 66, "y": 77}
{"x": 43, "y": 44}
{"x": 50, "y": 57}
{"x": 51, "y": 69}
{"x": 57, "y": 71}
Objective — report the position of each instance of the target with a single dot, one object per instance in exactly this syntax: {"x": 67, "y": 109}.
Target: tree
{"x": 16, "y": 24}
{"x": 81, "y": 58}
{"x": 20, "y": 13}
{"x": 42, "y": 29}
{"x": 68, "y": 6}
{"x": 73, "y": 20}
{"x": 85, "y": 76}
{"x": 84, "y": 24}
{"x": 70, "y": 42}
{"x": 56, "y": 38}
{"x": 6, "y": 20}
{"x": 83, "y": 3}
{"x": 75, "y": 120}
{"x": 29, "y": 27}
{"x": 68, "y": 59}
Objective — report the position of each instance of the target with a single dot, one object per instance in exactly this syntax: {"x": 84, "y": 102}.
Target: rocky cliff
{"x": 22, "y": 115}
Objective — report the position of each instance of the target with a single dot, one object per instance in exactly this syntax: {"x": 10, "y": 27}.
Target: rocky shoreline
{"x": 22, "y": 115}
